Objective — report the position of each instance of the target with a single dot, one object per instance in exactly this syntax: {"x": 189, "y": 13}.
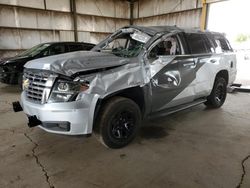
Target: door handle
{"x": 213, "y": 61}
{"x": 189, "y": 64}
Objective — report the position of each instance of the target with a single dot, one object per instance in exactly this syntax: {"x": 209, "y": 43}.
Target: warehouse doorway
{"x": 230, "y": 17}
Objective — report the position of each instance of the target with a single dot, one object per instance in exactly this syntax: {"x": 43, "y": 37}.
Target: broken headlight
{"x": 65, "y": 91}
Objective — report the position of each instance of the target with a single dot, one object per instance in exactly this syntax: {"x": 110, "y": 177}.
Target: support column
{"x": 74, "y": 16}
{"x": 131, "y": 21}
{"x": 203, "y": 23}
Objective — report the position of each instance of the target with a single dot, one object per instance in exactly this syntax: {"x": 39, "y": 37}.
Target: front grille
{"x": 37, "y": 85}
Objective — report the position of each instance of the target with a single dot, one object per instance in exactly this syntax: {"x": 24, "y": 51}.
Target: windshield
{"x": 34, "y": 50}
{"x": 124, "y": 43}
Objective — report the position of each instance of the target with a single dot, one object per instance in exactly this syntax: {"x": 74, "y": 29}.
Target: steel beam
{"x": 131, "y": 12}
{"x": 74, "y": 15}
{"x": 203, "y": 21}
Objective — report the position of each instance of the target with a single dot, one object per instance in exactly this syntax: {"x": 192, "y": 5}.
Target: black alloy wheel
{"x": 118, "y": 122}
{"x": 219, "y": 93}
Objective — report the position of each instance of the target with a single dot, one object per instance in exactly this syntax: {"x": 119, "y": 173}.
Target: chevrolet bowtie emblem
{"x": 26, "y": 83}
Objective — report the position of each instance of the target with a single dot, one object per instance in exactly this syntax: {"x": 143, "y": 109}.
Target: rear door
{"x": 202, "y": 51}
{"x": 172, "y": 72}
{"x": 229, "y": 57}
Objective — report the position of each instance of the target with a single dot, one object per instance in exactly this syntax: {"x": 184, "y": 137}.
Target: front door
{"x": 172, "y": 73}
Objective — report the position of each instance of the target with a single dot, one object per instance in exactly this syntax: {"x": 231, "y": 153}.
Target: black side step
{"x": 236, "y": 85}
{"x": 176, "y": 108}
{"x": 243, "y": 89}
{"x": 239, "y": 87}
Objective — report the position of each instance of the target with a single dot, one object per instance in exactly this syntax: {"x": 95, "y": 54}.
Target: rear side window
{"x": 198, "y": 43}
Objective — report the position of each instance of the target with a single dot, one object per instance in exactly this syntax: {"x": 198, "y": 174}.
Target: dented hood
{"x": 71, "y": 63}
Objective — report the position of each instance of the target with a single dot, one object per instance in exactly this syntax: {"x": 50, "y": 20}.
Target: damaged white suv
{"x": 135, "y": 73}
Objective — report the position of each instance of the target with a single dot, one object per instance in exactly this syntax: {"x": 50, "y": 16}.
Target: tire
{"x": 219, "y": 93}
{"x": 118, "y": 122}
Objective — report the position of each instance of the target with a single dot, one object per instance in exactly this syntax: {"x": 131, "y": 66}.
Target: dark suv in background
{"x": 11, "y": 69}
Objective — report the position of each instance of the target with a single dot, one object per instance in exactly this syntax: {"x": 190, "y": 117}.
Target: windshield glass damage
{"x": 125, "y": 43}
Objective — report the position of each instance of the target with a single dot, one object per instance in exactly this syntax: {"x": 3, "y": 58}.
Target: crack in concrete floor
{"x": 38, "y": 161}
{"x": 243, "y": 171}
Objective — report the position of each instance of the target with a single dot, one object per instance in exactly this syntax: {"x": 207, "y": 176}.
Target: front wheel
{"x": 219, "y": 93}
{"x": 118, "y": 122}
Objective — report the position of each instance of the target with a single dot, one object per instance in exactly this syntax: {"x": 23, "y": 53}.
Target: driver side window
{"x": 165, "y": 47}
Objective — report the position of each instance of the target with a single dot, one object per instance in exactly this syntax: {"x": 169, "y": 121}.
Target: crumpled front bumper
{"x": 77, "y": 116}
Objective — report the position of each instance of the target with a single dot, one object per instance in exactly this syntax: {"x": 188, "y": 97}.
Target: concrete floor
{"x": 193, "y": 148}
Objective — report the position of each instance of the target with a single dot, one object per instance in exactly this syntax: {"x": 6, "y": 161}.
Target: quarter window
{"x": 223, "y": 43}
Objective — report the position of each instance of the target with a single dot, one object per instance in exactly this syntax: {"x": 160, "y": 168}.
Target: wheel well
{"x": 136, "y": 94}
{"x": 223, "y": 74}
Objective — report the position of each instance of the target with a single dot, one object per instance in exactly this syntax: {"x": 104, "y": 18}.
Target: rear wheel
{"x": 118, "y": 122}
{"x": 218, "y": 95}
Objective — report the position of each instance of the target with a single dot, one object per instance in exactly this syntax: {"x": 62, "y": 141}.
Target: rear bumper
{"x": 69, "y": 118}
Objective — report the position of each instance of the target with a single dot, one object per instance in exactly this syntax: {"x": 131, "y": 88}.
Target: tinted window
{"x": 210, "y": 43}
{"x": 198, "y": 43}
{"x": 75, "y": 47}
{"x": 88, "y": 47}
{"x": 54, "y": 50}
{"x": 34, "y": 50}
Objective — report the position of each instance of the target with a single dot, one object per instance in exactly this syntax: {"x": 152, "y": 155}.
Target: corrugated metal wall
{"x": 25, "y": 23}
{"x": 183, "y": 13}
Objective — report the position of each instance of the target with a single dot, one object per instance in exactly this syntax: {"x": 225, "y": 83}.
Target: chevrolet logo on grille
{"x": 26, "y": 84}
